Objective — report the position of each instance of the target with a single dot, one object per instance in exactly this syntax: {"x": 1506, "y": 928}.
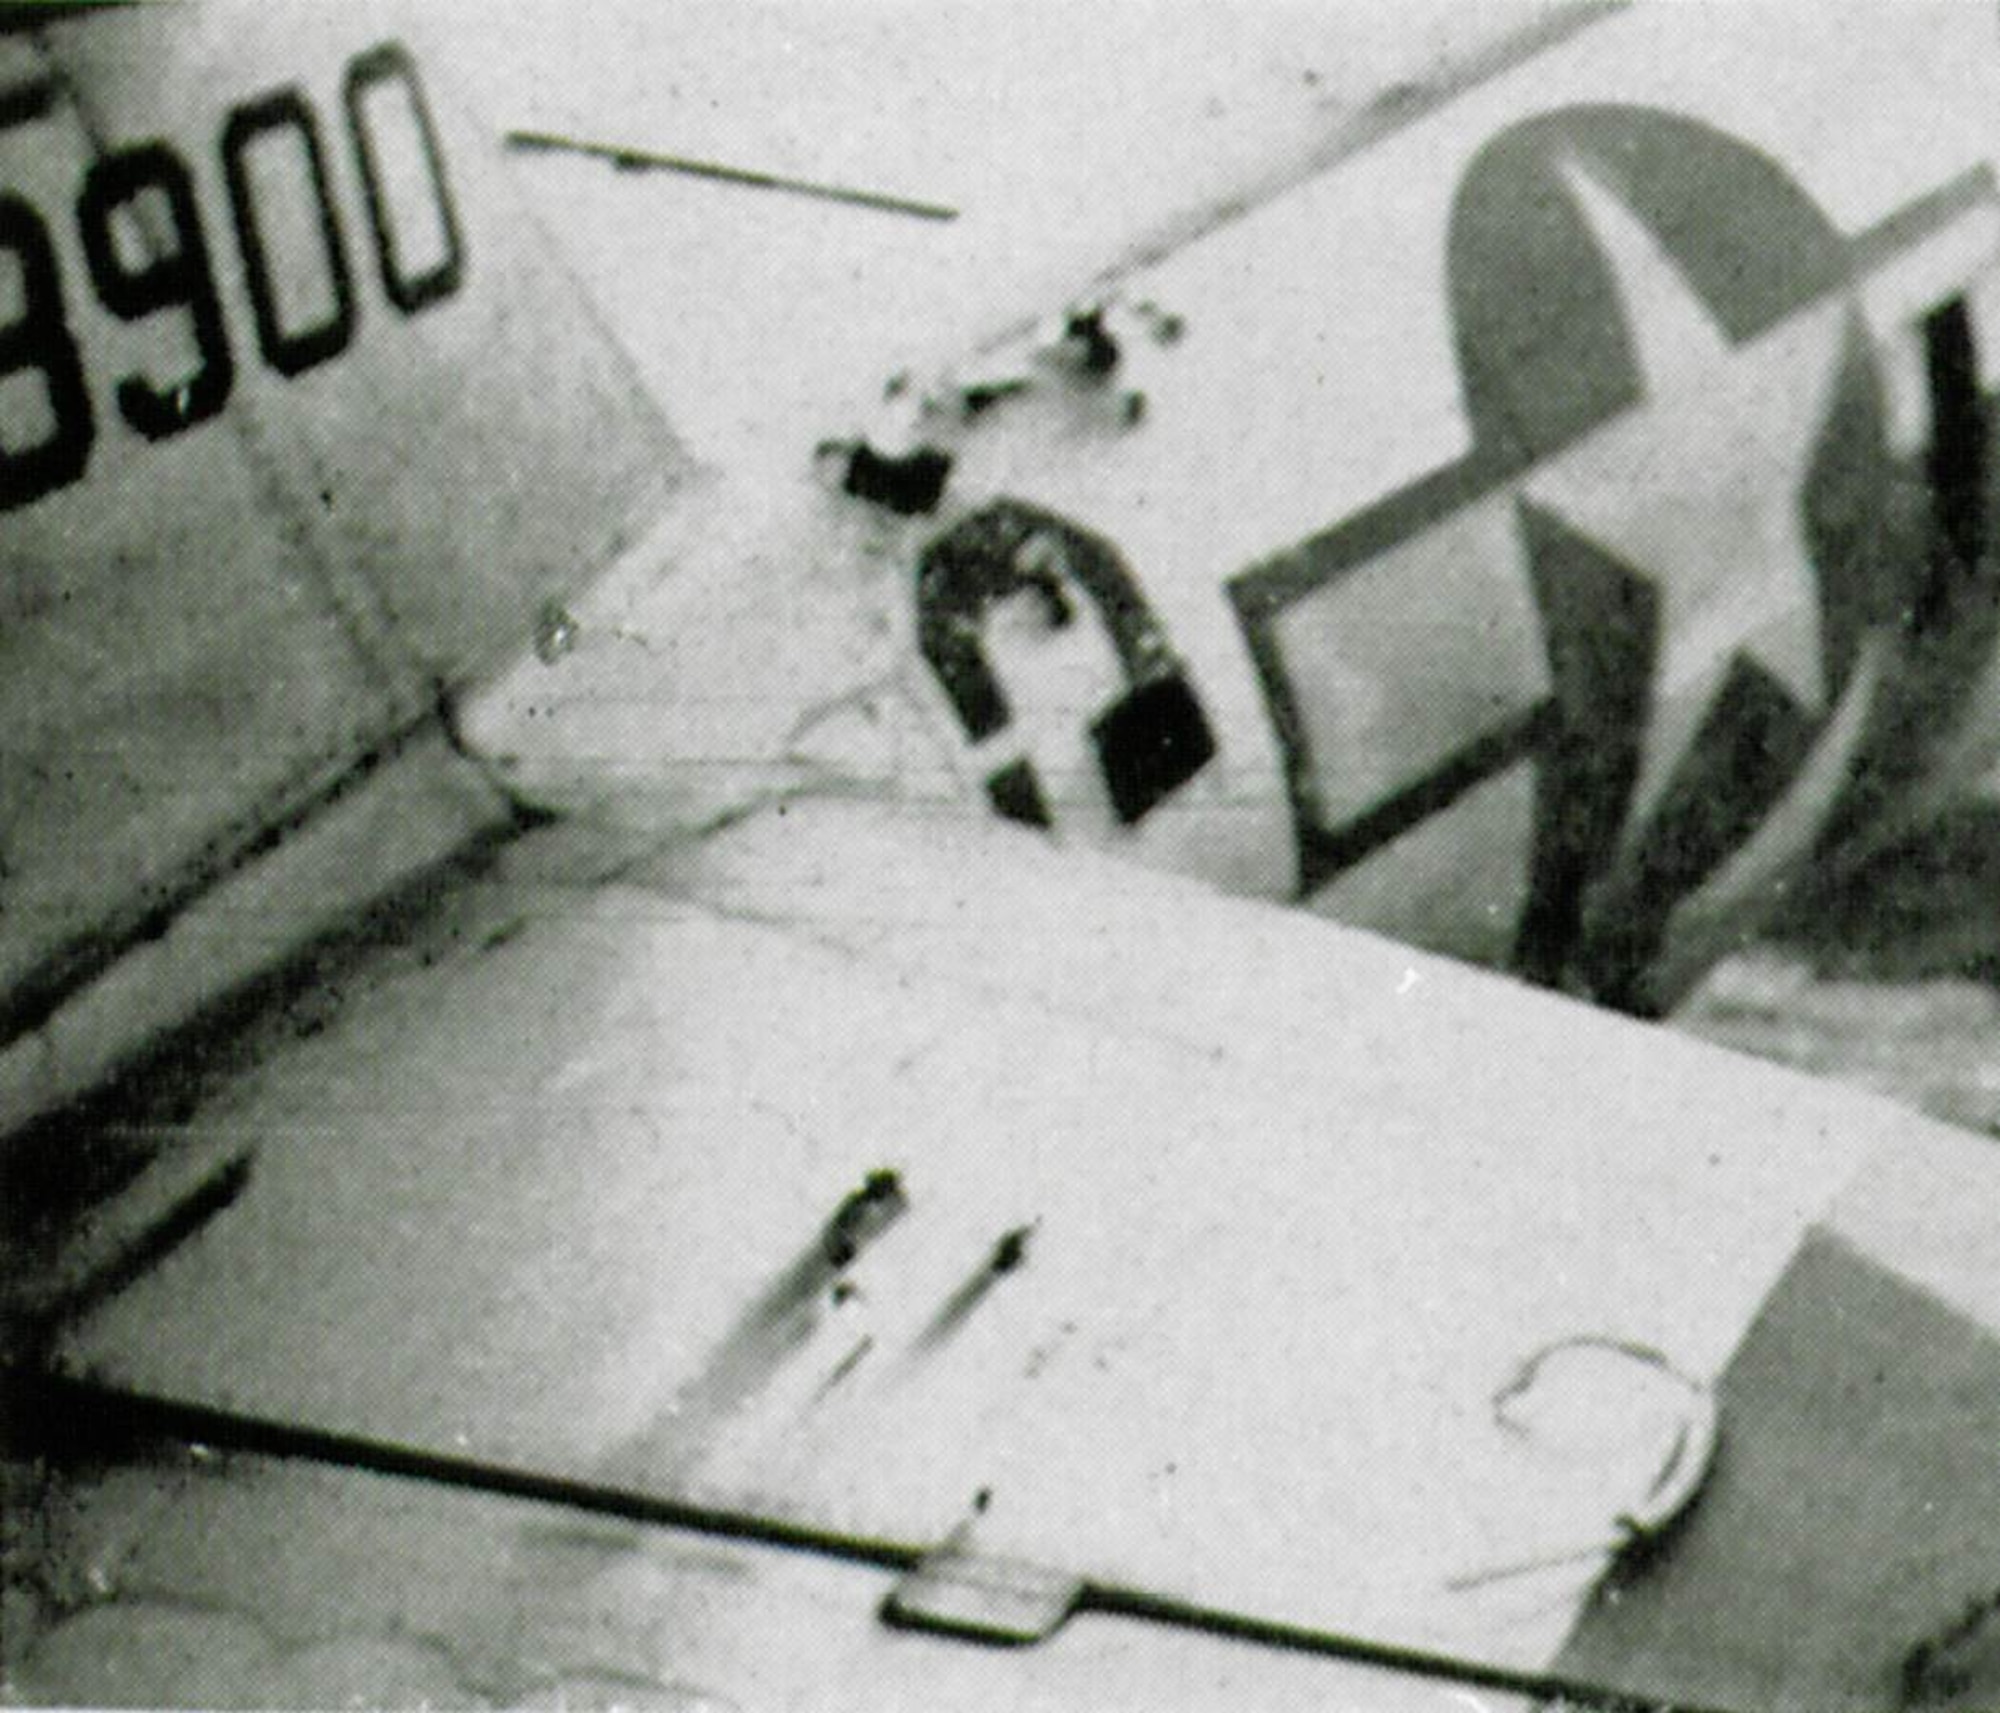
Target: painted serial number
{"x": 139, "y": 222}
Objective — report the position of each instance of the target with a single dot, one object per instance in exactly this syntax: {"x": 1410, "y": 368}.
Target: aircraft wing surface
{"x": 989, "y": 1226}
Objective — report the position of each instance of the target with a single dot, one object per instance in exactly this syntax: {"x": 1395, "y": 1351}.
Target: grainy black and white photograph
{"x": 951, "y": 854}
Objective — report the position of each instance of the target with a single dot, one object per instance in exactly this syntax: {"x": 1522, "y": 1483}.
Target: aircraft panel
{"x": 275, "y": 317}
{"x": 458, "y": 338}
{"x": 164, "y": 689}
{"x": 611, "y": 1265}
{"x": 1837, "y": 1557}
{"x": 1162, "y": 124}
{"x": 192, "y": 1577}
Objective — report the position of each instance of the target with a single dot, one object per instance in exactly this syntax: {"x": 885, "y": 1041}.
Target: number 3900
{"x": 141, "y": 233}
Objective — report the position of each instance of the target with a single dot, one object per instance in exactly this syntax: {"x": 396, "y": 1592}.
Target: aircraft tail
{"x": 279, "y": 313}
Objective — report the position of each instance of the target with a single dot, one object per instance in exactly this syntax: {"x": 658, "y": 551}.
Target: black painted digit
{"x": 1150, "y": 741}
{"x": 289, "y": 350}
{"x": 39, "y": 339}
{"x": 175, "y": 277}
{"x": 381, "y": 75}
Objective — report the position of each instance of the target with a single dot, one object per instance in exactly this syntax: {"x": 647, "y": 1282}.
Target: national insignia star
{"x": 1699, "y": 491}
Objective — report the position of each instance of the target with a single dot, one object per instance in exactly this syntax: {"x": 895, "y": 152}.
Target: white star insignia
{"x": 1700, "y": 490}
